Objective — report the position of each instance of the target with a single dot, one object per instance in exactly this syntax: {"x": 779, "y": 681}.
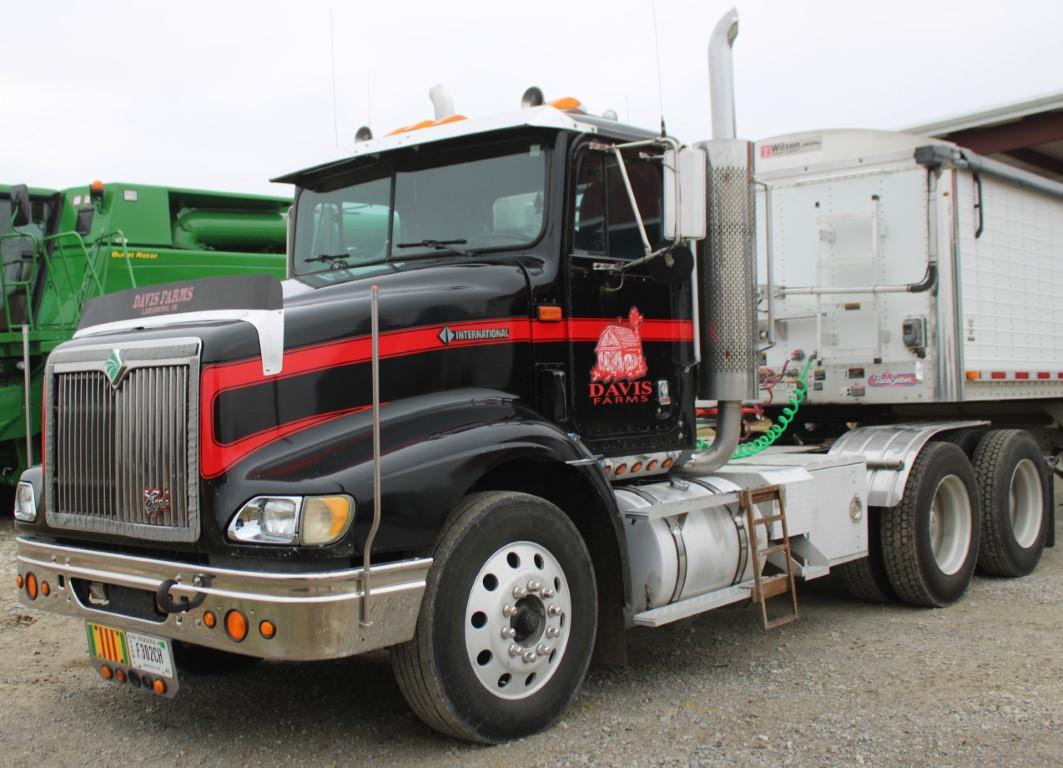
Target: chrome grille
{"x": 123, "y": 458}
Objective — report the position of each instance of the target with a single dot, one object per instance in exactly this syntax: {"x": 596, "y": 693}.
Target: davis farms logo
{"x": 618, "y": 376}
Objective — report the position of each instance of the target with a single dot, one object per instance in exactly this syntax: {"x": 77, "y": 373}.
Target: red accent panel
{"x": 998, "y": 375}
{"x": 217, "y": 457}
{"x": 1022, "y": 374}
{"x": 1044, "y": 375}
{"x": 590, "y": 328}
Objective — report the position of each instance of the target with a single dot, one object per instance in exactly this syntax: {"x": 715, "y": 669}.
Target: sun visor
{"x": 232, "y": 292}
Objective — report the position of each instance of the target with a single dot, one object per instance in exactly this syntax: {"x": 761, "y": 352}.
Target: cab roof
{"x": 449, "y": 128}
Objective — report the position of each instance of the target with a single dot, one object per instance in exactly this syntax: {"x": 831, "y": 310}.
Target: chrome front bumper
{"x": 316, "y": 615}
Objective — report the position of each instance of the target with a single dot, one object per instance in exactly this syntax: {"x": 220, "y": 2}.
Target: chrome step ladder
{"x": 767, "y": 587}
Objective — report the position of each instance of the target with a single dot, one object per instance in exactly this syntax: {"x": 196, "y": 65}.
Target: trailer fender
{"x": 888, "y": 451}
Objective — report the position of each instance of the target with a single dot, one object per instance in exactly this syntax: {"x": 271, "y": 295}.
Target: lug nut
{"x": 543, "y": 649}
{"x": 552, "y": 631}
{"x": 508, "y": 610}
{"x": 508, "y": 632}
{"x": 519, "y": 592}
{"x": 528, "y": 657}
{"x": 534, "y": 585}
{"x": 553, "y": 610}
{"x": 515, "y": 650}
{"x": 548, "y": 592}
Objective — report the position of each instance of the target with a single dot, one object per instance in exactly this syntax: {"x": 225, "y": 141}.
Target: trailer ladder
{"x": 767, "y": 587}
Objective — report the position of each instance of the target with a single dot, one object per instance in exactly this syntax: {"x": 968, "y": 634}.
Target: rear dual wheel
{"x": 507, "y": 621}
{"x": 1013, "y": 484}
{"x": 930, "y": 540}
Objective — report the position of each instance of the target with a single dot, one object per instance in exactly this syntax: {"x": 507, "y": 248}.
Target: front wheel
{"x": 507, "y": 621}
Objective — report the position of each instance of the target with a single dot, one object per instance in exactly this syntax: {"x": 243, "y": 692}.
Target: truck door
{"x": 631, "y": 335}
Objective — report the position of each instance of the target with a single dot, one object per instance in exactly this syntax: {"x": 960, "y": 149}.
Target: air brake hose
{"x": 781, "y": 423}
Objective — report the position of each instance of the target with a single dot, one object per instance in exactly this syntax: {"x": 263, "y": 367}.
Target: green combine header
{"x": 61, "y": 248}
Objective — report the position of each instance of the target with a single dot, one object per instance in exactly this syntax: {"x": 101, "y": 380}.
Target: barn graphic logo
{"x": 615, "y": 378}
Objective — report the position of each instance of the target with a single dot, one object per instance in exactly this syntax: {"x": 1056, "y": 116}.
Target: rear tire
{"x": 507, "y": 621}
{"x": 866, "y": 579}
{"x": 1013, "y": 487}
{"x": 930, "y": 540}
{"x": 967, "y": 439}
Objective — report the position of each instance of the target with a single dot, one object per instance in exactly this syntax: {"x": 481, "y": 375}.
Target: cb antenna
{"x": 332, "y": 48}
{"x": 657, "y": 53}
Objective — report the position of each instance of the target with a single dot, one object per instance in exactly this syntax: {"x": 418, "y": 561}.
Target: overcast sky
{"x": 224, "y": 95}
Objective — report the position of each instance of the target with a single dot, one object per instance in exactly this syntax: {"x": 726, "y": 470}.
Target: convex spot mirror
{"x": 672, "y": 268}
{"x": 685, "y": 194}
{"x": 21, "y": 213}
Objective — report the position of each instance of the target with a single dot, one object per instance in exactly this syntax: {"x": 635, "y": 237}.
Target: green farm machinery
{"x": 61, "y": 248}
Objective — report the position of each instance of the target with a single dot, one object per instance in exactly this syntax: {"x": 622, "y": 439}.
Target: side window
{"x": 589, "y": 226}
{"x": 604, "y": 219}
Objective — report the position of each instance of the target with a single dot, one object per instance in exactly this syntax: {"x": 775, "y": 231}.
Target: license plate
{"x": 150, "y": 654}
{"x": 143, "y": 653}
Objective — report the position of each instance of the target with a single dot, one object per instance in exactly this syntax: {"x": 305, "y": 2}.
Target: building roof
{"x": 1028, "y": 133}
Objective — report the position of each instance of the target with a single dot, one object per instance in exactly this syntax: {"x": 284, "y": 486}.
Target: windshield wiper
{"x": 438, "y": 245}
{"x": 329, "y": 257}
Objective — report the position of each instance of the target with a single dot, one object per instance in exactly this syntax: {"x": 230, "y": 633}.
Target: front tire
{"x": 930, "y": 540}
{"x": 507, "y": 621}
{"x": 1013, "y": 484}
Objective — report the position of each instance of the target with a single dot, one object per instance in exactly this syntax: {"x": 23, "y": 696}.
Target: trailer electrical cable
{"x": 783, "y": 421}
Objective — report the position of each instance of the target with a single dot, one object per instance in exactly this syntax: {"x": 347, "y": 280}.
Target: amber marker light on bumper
{"x": 236, "y": 625}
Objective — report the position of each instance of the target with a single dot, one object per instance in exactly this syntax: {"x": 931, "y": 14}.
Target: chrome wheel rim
{"x": 950, "y": 524}
{"x": 517, "y": 620}
{"x": 1025, "y": 503}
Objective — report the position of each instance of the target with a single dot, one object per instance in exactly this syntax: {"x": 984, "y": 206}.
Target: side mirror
{"x": 21, "y": 207}
{"x": 684, "y": 211}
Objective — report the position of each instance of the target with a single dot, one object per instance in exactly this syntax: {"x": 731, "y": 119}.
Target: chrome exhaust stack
{"x": 727, "y": 273}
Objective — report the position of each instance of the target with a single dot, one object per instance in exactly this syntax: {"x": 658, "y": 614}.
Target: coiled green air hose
{"x": 779, "y": 427}
{"x": 782, "y": 422}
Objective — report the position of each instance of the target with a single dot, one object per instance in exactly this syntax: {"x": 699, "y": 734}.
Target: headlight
{"x": 310, "y": 520}
{"x": 25, "y": 503}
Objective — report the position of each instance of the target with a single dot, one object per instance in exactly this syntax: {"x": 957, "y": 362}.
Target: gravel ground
{"x": 980, "y": 683}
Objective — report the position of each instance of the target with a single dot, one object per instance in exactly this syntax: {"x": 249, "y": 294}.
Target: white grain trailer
{"x": 925, "y": 281}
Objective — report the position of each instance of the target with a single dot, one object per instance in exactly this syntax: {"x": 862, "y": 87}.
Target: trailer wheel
{"x": 866, "y": 579}
{"x": 507, "y": 621}
{"x": 930, "y": 540}
{"x": 1013, "y": 487}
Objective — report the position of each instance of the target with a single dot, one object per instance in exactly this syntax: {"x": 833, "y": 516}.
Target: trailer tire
{"x": 459, "y": 673}
{"x": 1013, "y": 487}
{"x": 930, "y": 540}
{"x": 968, "y": 439}
{"x": 197, "y": 660}
{"x": 866, "y": 579}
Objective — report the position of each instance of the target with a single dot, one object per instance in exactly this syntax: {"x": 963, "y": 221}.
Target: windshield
{"x": 424, "y": 203}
